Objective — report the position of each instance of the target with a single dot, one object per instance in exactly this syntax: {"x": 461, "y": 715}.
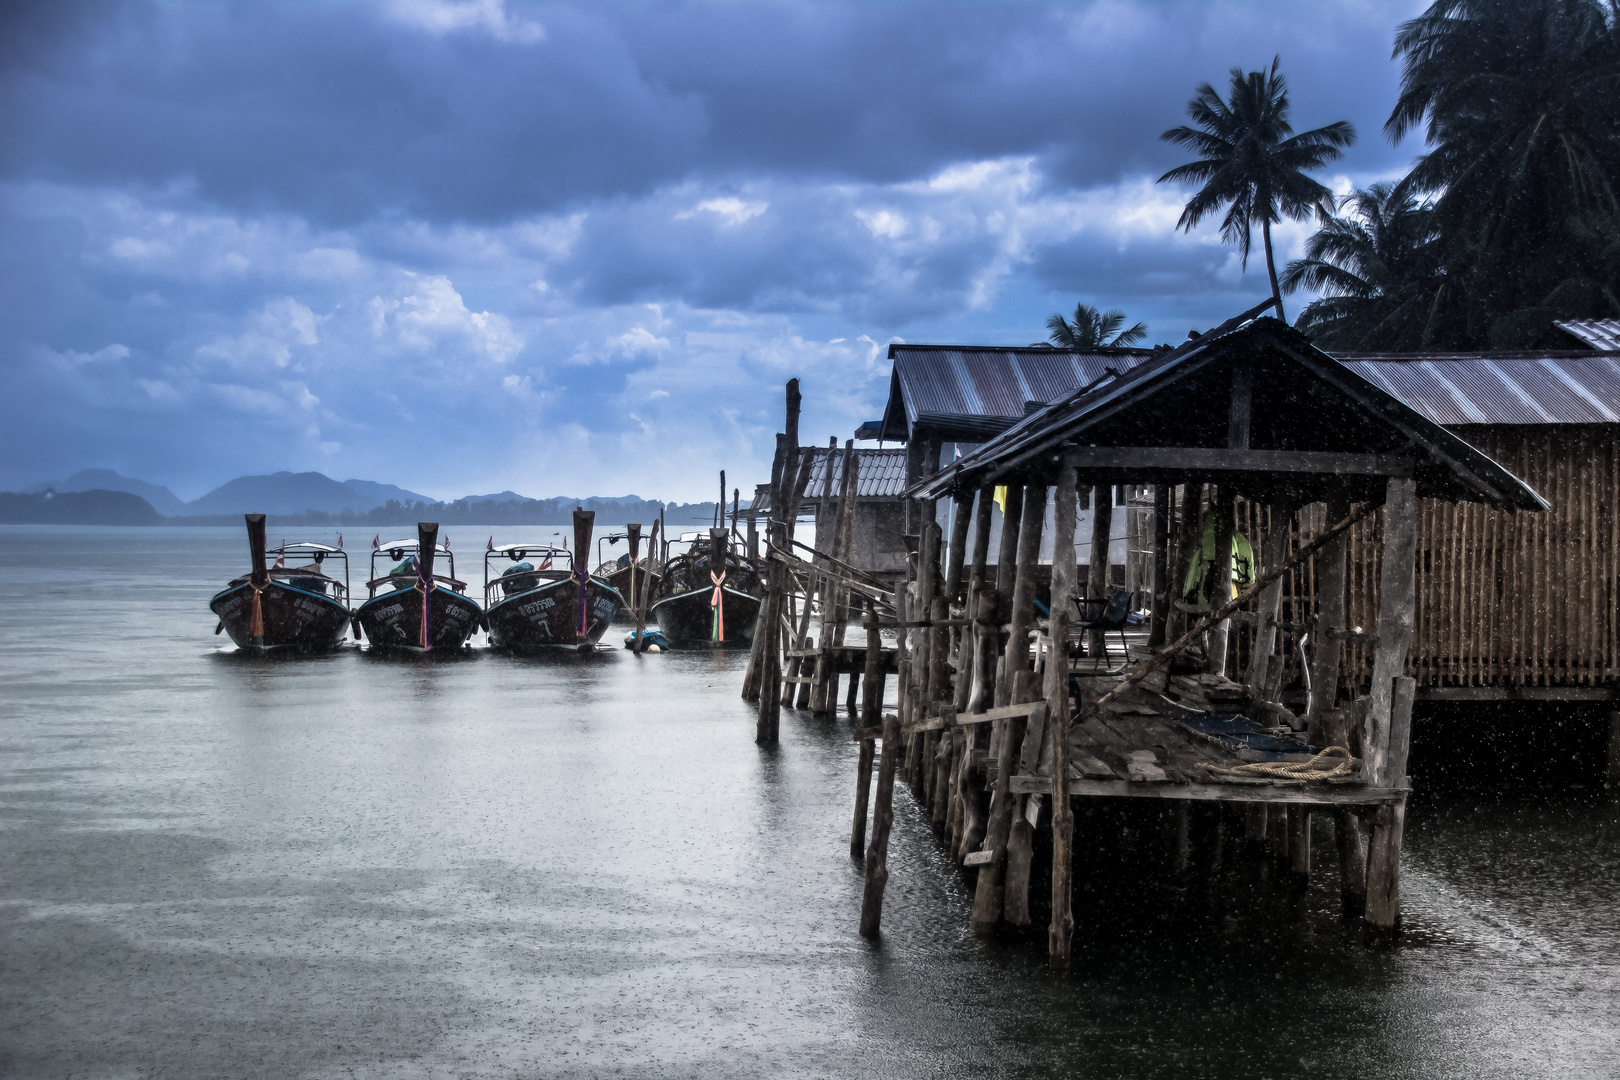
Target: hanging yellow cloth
{"x": 1202, "y": 586}
{"x": 1000, "y": 499}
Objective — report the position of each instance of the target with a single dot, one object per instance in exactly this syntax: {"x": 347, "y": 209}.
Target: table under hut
{"x": 995, "y": 700}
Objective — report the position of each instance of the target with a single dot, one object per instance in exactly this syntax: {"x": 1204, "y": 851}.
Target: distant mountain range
{"x": 278, "y": 493}
{"x": 102, "y": 496}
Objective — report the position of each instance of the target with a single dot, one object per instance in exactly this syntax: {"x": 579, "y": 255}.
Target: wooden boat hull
{"x": 687, "y": 619}
{"x": 546, "y": 616}
{"x": 620, "y": 582}
{"x": 393, "y": 620}
{"x": 294, "y": 619}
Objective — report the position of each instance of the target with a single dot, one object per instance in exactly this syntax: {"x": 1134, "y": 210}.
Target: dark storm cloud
{"x": 247, "y": 236}
{"x": 340, "y": 112}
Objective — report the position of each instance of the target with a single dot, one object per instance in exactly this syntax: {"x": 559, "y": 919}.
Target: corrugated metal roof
{"x": 882, "y": 475}
{"x": 1498, "y": 388}
{"x": 1447, "y": 466}
{"x": 978, "y": 380}
{"x": 945, "y": 385}
{"x": 1600, "y": 334}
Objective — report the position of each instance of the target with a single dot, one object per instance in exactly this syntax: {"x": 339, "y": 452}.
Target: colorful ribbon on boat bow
{"x": 256, "y": 624}
{"x": 719, "y": 608}
{"x": 581, "y": 575}
{"x": 425, "y": 586}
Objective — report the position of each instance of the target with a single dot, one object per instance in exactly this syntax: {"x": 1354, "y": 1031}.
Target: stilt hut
{"x": 999, "y": 730}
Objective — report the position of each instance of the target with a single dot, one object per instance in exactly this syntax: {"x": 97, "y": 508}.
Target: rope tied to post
{"x": 1299, "y": 771}
{"x": 719, "y": 629}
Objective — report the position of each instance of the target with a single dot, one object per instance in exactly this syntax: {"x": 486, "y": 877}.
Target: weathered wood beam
{"x": 1232, "y": 793}
{"x": 1384, "y": 852}
{"x": 1139, "y": 461}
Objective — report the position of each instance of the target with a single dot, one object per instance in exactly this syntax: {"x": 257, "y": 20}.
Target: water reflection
{"x": 491, "y": 864}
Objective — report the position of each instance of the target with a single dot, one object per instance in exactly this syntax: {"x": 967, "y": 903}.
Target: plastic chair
{"x": 1115, "y": 616}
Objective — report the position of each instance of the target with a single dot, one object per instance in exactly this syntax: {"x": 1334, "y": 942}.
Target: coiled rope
{"x": 1300, "y": 771}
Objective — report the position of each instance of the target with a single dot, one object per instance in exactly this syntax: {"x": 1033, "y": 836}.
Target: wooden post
{"x": 1163, "y": 593}
{"x": 988, "y": 601}
{"x": 1272, "y": 552}
{"x": 1324, "y": 721}
{"x": 1029, "y": 556}
{"x": 646, "y": 601}
{"x": 1220, "y": 504}
{"x": 259, "y": 574}
{"x": 1011, "y": 517}
{"x": 768, "y": 609}
{"x": 1102, "y": 525}
{"x": 989, "y": 891}
{"x": 1061, "y": 930}
{"x": 967, "y": 649}
{"x": 877, "y": 855}
{"x": 927, "y": 585}
{"x": 1395, "y": 603}
{"x": 636, "y": 587}
{"x": 871, "y": 707}
{"x": 1299, "y": 841}
{"x": 940, "y": 784}
{"x": 834, "y": 600}
{"x": 1188, "y": 539}
{"x": 1384, "y": 853}
{"x": 784, "y": 506}
{"x": 1385, "y": 731}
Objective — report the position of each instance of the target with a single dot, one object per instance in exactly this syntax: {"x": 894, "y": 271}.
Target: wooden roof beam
{"x": 1190, "y": 459}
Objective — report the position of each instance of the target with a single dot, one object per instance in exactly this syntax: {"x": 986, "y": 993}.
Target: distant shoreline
{"x": 99, "y": 507}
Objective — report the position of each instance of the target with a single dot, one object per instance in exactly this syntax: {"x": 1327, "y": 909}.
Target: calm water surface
{"x": 478, "y": 865}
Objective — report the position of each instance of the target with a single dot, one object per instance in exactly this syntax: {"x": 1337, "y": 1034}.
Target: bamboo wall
{"x": 1503, "y": 599}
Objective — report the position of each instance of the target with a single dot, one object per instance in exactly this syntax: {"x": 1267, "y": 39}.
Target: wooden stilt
{"x": 1221, "y": 506}
{"x": 1272, "y": 552}
{"x": 1384, "y": 852}
{"x": 1102, "y": 524}
{"x": 877, "y": 854}
{"x": 1299, "y": 842}
{"x": 1327, "y": 646}
{"x": 773, "y": 577}
{"x": 1061, "y": 931}
{"x": 1387, "y": 729}
{"x": 1163, "y": 591}
{"x": 1187, "y": 541}
{"x": 988, "y": 894}
{"x": 1028, "y": 558}
{"x": 768, "y": 688}
{"x": 871, "y": 707}
{"x": 968, "y": 789}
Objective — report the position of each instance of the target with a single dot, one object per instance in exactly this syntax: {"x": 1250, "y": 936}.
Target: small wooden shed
{"x": 1248, "y": 410}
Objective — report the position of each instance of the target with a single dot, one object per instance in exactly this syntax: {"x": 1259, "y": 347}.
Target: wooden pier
{"x": 1002, "y": 723}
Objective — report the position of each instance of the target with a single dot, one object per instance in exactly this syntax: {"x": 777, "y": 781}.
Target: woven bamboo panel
{"x": 1503, "y": 599}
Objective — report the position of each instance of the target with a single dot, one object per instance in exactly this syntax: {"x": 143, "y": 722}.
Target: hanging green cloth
{"x": 1201, "y": 586}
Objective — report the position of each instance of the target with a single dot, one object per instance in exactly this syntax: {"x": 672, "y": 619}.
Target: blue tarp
{"x": 1241, "y": 733}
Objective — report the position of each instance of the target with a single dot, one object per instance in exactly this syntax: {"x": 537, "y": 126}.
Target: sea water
{"x": 355, "y": 865}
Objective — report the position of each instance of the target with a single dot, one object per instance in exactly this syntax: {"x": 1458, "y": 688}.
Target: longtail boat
{"x": 284, "y": 608}
{"x": 629, "y": 575}
{"x": 709, "y": 596}
{"x": 528, "y": 607}
{"x": 411, "y": 607}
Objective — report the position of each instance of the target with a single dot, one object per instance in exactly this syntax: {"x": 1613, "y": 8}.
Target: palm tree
{"x": 1091, "y": 329}
{"x": 1521, "y": 99}
{"x": 1379, "y": 272}
{"x": 1252, "y": 162}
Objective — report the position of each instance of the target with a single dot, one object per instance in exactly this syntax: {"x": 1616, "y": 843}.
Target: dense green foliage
{"x": 1093, "y": 329}
{"x": 1521, "y": 102}
{"x": 1378, "y": 270}
{"x": 1252, "y": 163}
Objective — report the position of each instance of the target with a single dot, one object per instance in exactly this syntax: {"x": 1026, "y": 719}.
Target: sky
{"x": 474, "y": 245}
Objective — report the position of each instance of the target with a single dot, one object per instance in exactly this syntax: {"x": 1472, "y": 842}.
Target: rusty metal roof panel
{"x": 981, "y": 380}
{"x": 1498, "y": 388}
{"x": 1600, "y": 334}
{"x": 882, "y": 473}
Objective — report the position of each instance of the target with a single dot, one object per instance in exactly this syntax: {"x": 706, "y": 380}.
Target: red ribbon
{"x": 719, "y": 608}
